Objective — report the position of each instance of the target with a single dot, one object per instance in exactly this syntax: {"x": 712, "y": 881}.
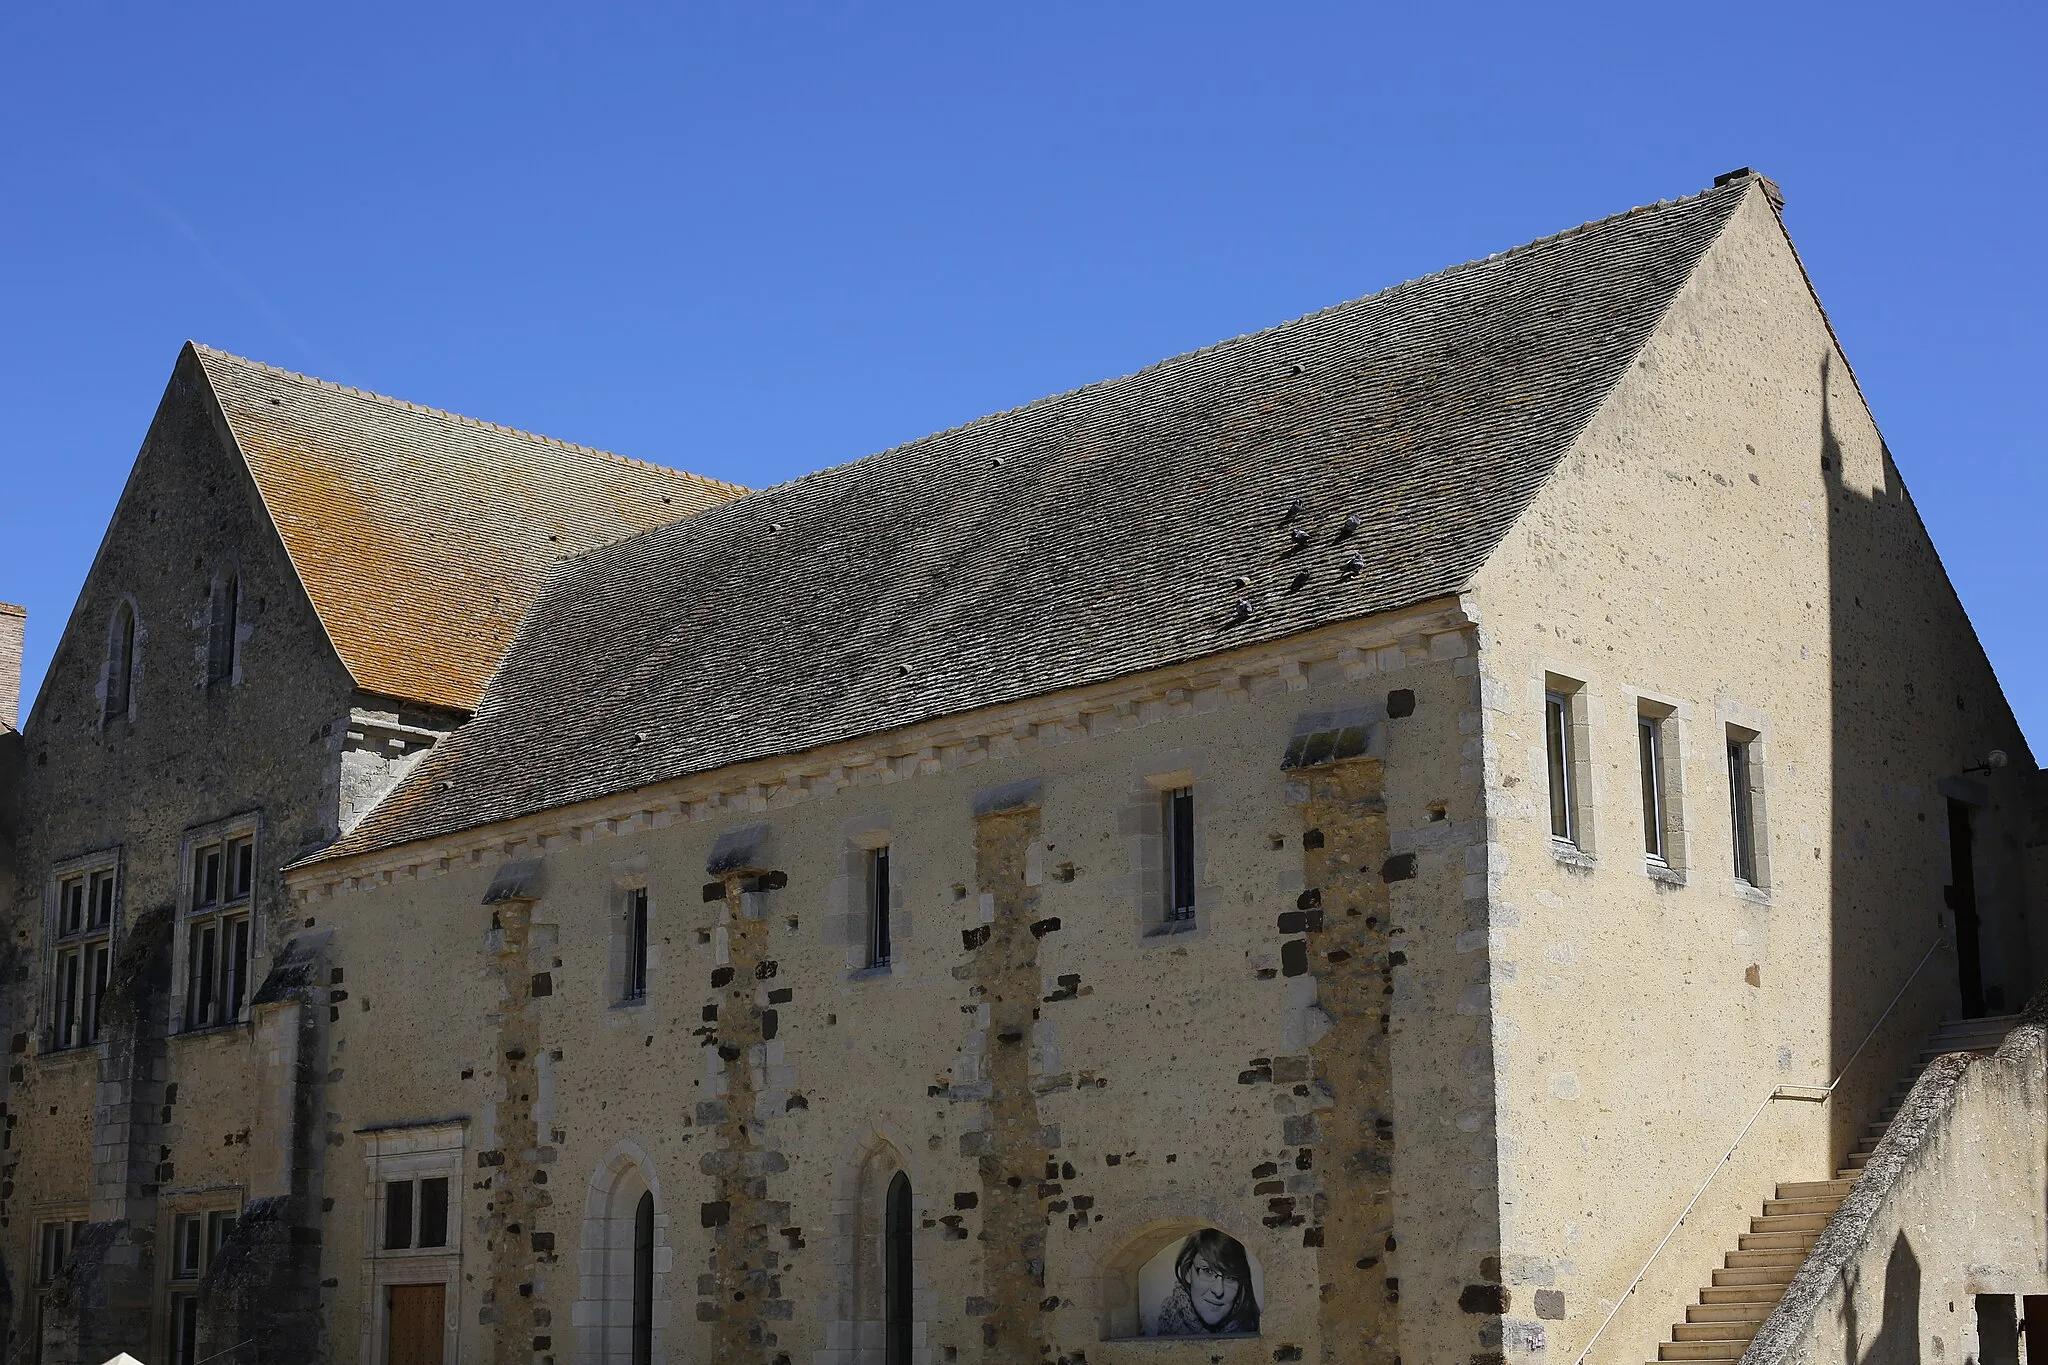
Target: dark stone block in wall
{"x": 715, "y": 1214}
{"x": 1484, "y": 1298}
{"x": 1550, "y": 1304}
{"x": 1400, "y": 703}
{"x": 1294, "y": 957}
{"x": 1399, "y": 868}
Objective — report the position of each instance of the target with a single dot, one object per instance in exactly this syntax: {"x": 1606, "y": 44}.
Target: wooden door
{"x": 415, "y": 1332}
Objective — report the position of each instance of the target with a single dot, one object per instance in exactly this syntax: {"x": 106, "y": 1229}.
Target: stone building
{"x": 1394, "y": 837}
{"x": 302, "y": 590}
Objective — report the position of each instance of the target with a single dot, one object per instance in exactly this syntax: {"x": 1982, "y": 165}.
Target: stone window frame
{"x": 1736, "y": 722}
{"x": 1673, "y": 719}
{"x": 74, "y": 1217}
{"x": 1142, "y": 821}
{"x": 56, "y": 944}
{"x": 411, "y": 1151}
{"x": 246, "y": 825}
{"x": 857, "y": 1334}
{"x": 848, "y": 919}
{"x": 629, "y": 878}
{"x": 171, "y": 1286}
{"x": 1583, "y": 776}
{"x": 125, "y": 608}
{"x": 227, "y": 626}
{"x": 626, "y": 1167}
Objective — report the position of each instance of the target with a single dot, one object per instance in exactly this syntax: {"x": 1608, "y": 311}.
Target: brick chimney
{"x": 13, "y": 628}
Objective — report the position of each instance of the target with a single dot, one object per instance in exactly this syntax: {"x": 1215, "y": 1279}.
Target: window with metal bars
{"x": 877, "y": 879}
{"x": 1177, "y": 814}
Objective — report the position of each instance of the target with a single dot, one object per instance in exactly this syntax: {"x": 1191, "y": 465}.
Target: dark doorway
{"x": 1998, "y": 1331}
{"x": 1962, "y": 904}
{"x": 896, "y": 1271}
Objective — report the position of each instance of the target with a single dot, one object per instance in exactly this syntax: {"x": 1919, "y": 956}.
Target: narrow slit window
{"x": 1742, "y": 808}
{"x": 1179, "y": 817}
{"x": 898, "y": 1329}
{"x": 120, "y": 662}
{"x": 1650, "y": 752}
{"x": 227, "y": 611}
{"x": 1557, "y": 736}
{"x": 643, "y": 1280}
{"x": 879, "y": 945}
{"x": 636, "y": 944}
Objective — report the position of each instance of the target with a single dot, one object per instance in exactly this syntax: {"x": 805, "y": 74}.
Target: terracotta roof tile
{"x": 422, "y": 537}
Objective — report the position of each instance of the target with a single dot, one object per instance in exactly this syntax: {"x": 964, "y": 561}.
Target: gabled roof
{"x": 1094, "y": 534}
{"x": 423, "y": 537}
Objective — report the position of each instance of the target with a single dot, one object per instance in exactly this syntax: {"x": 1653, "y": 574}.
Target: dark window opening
{"x": 1650, "y": 752}
{"x": 896, "y": 1268}
{"x": 1742, "y": 810}
{"x": 643, "y": 1281}
{"x": 433, "y": 1203}
{"x": 398, "y": 1215}
{"x": 1557, "y": 738}
{"x": 120, "y": 662}
{"x": 1179, "y": 814}
{"x": 636, "y": 944}
{"x": 227, "y": 610}
{"x": 879, "y": 946}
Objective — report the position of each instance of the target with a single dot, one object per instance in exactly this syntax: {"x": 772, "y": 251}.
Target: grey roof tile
{"x": 1086, "y": 536}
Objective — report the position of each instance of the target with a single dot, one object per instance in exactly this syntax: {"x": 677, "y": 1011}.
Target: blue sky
{"x": 751, "y": 240}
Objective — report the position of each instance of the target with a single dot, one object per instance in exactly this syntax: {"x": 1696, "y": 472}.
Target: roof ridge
{"x": 1742, "y": 180}
{"x": 215, "y": 352}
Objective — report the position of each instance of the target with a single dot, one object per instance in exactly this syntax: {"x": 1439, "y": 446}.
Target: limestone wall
{"x": 1068, "y": 1088}
{"x": 1728, "y": 546}
{"x": 139, "y": 1128}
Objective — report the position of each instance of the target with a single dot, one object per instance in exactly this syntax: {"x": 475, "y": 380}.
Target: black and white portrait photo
{"x": 1204, "y": 1285}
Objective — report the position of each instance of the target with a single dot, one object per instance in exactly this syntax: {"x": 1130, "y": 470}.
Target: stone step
{"x": 1815, "y": 1189}
{"x": 1801, "y": 1242}
{"x": 1856, "y": 1161}
{"x": 1713, "y": 1331}
{"x": 1751, "y": 1313}
{"x": 1765, "y": 1294}
{"x": 1779, "y": 1275}
{"x": 1753, "y": 1260}
{"x": 1701, "y": 1350}
{"x": 1789, "y": 1222}
{"x": 1825, "y": 1205}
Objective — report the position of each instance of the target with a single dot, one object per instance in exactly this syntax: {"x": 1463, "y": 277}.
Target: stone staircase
{"x": 1755, "y": 1276}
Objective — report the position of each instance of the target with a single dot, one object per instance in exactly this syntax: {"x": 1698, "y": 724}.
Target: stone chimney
{"x": 13, "y": 627}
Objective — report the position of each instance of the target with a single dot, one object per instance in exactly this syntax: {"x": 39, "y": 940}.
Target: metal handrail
{"x": 1777, "y": 1092}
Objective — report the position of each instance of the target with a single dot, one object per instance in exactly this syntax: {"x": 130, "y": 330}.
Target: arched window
{"x": 643, "y": 1281}
{"x": 120, "y": 662}
{"x": 880, "y": 1303}
{"x": 621, "y": 1313}
{"x": 227, "y": 615}
{"x": 896, "y": 1271}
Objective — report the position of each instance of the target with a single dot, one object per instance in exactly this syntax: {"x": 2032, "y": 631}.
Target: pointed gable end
{"x": 423, "y": 537}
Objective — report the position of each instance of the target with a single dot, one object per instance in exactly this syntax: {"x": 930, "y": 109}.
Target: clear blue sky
{"x": 751, "y": 240}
